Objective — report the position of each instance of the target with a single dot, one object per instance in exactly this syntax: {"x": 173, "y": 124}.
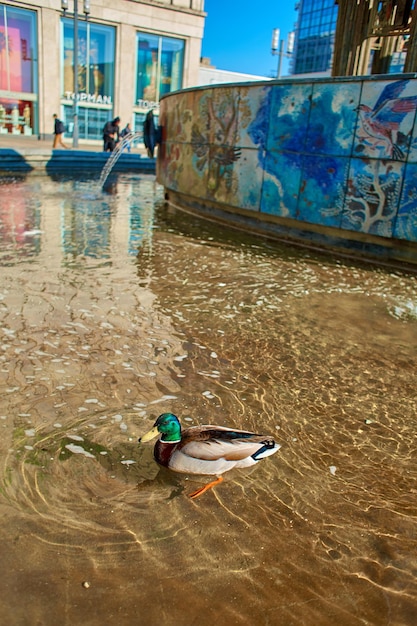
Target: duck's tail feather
{"x": 269, "y": 447}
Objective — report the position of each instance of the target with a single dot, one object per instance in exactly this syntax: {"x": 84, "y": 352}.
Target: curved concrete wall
{"x": 329, "y": 161}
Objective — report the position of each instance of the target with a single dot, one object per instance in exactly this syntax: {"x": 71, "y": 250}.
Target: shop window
{"x": 91, "y": 121}
{"x": 96, "y": 52}
{"x": 18, "y": 71}
{"x": 95, "y": 77}
{"x": 159, "y": 66}
{"x": 17, "y": 117}
{"x": 18, "y": 57}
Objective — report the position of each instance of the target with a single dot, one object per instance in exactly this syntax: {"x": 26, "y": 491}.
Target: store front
{"x": 95, "y": 77}
{"x": 116, "y": 68}
{"x": 160, "y": 62}
{"x": 18, "y": 71}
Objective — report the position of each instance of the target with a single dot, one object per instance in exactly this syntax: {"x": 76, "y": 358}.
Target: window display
{"x": 160, "y": 65}
{"x": 95, "y": 76}
{"x": 95, "y": 61}
{"x": 18, "y": 70}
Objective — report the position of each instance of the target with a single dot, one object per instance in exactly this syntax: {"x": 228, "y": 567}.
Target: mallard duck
{"x": 209, "y": 450}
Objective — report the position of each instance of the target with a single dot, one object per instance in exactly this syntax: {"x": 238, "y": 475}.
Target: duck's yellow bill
{"x": 154, "y": 432}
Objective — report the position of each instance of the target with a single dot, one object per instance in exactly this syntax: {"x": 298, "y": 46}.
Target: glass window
{"x": 159, "y": 66}
{"x": 147, "y": 72}
{"x": 397, "y": 62}
{"x": 90, "y": 121}
{"x": 171, "y": 65}
{"x": 315, "y": 52}
{"x": 18, "y": 116}
{"x": 307, "y": 5}
{"x": 96, "y": 49}
{"x": 18, "y": 50}
{"x": 305, "y": 20}
{"x": 315, "y": 19}
{"x": 18, "y": 71}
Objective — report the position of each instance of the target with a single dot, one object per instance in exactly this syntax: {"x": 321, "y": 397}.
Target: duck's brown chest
{"x": 163, "y": 451}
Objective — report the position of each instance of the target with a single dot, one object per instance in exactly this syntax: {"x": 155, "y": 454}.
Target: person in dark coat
{"x": 111, "y": 134}
{"x": 59, "y": 130}
{"x": 125, "y": 133}
{"x": 149, "y": 134}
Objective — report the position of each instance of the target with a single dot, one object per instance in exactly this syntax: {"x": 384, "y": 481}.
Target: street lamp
{"x": 277, "y": 47}
{"x": 86, "y": 10}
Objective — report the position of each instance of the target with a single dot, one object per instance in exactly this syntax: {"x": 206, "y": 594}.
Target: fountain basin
{"x": 327, "y": 162}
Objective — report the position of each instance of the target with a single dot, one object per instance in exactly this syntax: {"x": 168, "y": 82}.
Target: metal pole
{"x": 75, "y": 129}
{"x": 280, "y": 55}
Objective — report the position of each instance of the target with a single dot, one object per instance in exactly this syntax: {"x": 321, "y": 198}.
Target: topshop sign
{"x": 88, "y": 97}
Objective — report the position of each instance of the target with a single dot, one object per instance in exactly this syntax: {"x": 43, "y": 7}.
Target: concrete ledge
{"x": 29, "y": 160}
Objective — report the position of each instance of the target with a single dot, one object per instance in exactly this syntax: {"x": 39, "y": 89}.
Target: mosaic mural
{"x": 340, "y": 153}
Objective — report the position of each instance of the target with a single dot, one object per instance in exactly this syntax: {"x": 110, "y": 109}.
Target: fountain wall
{"x": 326, "y": 162}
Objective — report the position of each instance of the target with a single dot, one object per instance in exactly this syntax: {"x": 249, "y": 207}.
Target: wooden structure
{"x": 369, "y": 32}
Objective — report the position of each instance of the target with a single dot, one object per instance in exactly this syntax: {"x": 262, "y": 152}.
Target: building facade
{"x": 314, "y": 37}
{"x": 116, "y": 59}
{"x": 209, "y": 75}
{"x": 383, "y": 40}
{"x": 342, "y": 37}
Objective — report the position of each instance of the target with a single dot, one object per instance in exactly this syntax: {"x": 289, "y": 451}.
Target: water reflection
{"x": 128, "y": 309}
{"x": 19, "y": 221}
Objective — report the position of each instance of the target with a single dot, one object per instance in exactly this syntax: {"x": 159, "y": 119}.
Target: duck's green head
{"x": 168, "y": 426}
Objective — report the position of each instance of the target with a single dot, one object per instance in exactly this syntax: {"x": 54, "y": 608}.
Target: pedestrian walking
{"x": 59, "y": 130}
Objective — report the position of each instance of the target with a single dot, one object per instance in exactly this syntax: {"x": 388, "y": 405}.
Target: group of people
{"x": 112, "y": 134}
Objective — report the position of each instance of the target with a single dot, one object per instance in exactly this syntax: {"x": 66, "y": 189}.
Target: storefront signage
{"x": 88, "y": 97}
{"x": 147, "y": 104}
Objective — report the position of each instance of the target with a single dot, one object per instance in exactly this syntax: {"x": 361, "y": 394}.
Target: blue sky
{"x": 238, "y": 33}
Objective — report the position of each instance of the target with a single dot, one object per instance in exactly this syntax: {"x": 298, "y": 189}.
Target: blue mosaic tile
{"x": 322, "y": 190}
{"x": 306, "y": 151}
{"x": 254, "y": 111}
{"x": 290, "y": 108}
{"x": 406, "y": 224}
{"x": 386, "y": 115}
{"x": 372, "y": 196}
{"x": 281, "y": 183}
{"x": 333, "y": 118}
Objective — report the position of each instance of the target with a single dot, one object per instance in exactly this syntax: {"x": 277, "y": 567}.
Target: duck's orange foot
{"x": 202, "y": 490}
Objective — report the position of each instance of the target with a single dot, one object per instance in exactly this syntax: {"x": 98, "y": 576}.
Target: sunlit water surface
{"x": 115, "y": 309}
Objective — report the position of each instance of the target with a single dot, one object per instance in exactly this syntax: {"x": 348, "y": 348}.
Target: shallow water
{"x": 115, "y": 309}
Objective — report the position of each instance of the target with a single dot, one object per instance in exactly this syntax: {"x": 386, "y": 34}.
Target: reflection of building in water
{"x": 156, "y": 45}
{"x": 78, "y": 223}
{"x": 98, "y": 226}
{"x": 20, "y": 220}
{"x": 86, "y": 226}
{"x": 141, "y": 226}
